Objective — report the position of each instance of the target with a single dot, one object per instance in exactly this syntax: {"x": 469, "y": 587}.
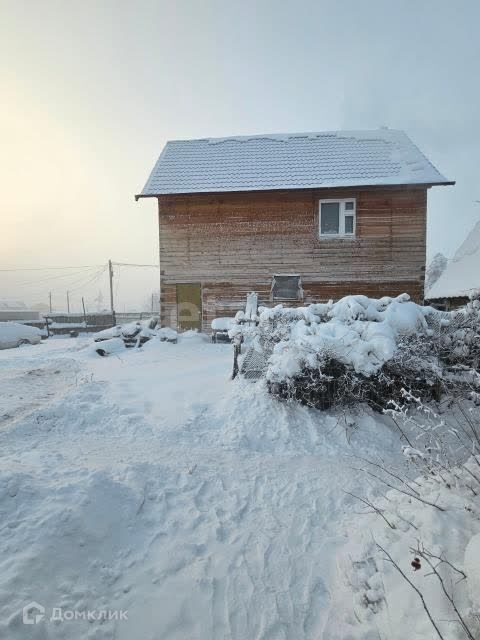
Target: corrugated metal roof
{"x": 290, "y": 161}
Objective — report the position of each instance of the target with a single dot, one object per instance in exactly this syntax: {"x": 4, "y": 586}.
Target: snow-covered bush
{"x": 460, "y": 341}
{"x": 366, "y": 349}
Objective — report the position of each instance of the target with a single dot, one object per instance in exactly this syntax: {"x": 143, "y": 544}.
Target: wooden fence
{"x": 62, "y": 324}
{"x": 65, "y": 323}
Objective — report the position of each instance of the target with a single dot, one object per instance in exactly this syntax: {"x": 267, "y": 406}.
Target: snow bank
{"x": 384, "y": 604}
{"x": 472, "y": 569}
{"x": 360, "y": 332}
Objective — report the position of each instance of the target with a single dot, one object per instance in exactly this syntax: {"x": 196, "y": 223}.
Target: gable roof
{"x": 462, "y": 274}
{"x": 290, "y": 161}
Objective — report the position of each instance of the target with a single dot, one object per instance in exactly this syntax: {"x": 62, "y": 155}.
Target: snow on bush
{"x": 359, "y": 332}
{"x": 360, "y": 345}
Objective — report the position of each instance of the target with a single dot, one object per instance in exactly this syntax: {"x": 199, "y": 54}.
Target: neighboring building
{"x": 461, "y": 278}
{"x": 15, "y": 310}
{"x": 296, "y": 217}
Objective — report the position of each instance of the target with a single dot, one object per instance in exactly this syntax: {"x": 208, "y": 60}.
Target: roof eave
{"x": 446, "y": 183}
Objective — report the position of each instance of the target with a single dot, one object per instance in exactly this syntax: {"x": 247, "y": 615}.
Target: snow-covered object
{"x": 462, "y": 274}
{"x": 222, "y": 324}
{"x": 290, "y": 161}
{"x": 13, "y": 334}
{"x": 106, "y": 334}
{"x": 131, "y": 332}
{"x": 360, "y": 332}
{"x": 131, "y": 329}
{"x": 167, "y": 334}
{"x": 251, "y": 306}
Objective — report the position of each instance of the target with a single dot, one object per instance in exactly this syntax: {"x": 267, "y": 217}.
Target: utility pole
{"x": 50, "y": 300}
{"x": 84, "y": 314}
{"x": 68, "y": 303}
{"x": 110, "y": 277}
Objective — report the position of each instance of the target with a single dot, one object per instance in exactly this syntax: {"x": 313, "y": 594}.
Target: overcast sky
{"x": 92, "y": 90}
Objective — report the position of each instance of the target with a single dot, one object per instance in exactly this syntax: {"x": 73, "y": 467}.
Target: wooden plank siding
{"x": 233, "y": 243}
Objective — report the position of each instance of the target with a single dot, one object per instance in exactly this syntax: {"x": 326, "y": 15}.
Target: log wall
{"x": 233, "y": 243}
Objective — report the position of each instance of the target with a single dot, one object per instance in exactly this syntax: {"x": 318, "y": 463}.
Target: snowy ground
{"x": 152, "y": 484}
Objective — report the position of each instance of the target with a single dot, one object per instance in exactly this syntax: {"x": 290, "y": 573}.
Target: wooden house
{"x": 297, "y": 218}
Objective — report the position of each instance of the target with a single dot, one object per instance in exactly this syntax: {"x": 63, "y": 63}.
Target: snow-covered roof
{"x": 462, "y": 274}
{"x": 290, "y": 161}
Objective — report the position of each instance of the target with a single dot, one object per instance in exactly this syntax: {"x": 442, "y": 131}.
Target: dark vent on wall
{"x": 286, "y": 287}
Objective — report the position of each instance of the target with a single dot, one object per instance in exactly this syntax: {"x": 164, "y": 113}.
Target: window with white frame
{"x": 337, "y": 218}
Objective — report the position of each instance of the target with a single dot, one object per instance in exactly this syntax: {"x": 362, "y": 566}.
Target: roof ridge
{"x": 289, "y": 135}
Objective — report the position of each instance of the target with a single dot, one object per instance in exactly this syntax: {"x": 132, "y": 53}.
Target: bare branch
{"x": 372, "y": 506}
{"x": 417, "y": 591}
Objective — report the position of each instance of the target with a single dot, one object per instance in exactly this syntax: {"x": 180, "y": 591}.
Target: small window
{"x": 337, "y": 218}
{"x": 286, "y": 287}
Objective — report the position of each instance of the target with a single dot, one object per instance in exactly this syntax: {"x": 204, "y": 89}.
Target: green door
{"x": 189, "y": 306}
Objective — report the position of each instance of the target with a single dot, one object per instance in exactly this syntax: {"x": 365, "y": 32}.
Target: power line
{"x": 96, "y": 276}
{"x": 73, "y": 278}
{"x": 129, "y": 264}
{"x": 87, "y": 266}
{"x": 72, "y": 285}
{"x": 49, "y": 278}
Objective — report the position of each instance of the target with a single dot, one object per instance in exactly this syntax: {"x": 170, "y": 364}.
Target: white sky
{"x": 92, "y": 90}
